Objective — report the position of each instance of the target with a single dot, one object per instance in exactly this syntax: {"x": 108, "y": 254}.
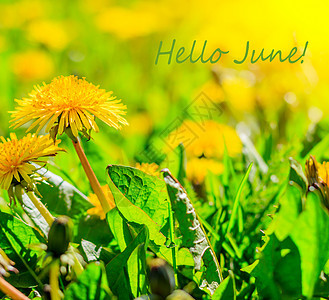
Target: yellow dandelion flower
{"x": 316, "y": 172}
{"x": 151, "y": 169}
{"x": 239, "y": 92}
{"x": 68, "y": 103}
{"x": 198, "y": 168}
{"x": 140, "y": 124}
{"x": 15, "y": 14}
{"x": 17, "y": 155}
{"x": 212, "y": 90}
{"x": 139, "y": 21}
{"x": 32, "y": 65}
{"x": 318, "y": 177}
{"x": 53, "y": 34}
{"x": 205, "y": 139}
{"x": 323, "y": 172}
{"x": 97, "y": 209}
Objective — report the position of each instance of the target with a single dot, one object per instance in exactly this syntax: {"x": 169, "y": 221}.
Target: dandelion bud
{"x": 311, "y": 171}
{"x": 60, "y": 235}
{"x": 162, "y": 279}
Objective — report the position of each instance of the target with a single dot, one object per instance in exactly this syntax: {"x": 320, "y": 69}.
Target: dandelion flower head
{"x": 68, "y": 103}
{"x": 18, "y": 154}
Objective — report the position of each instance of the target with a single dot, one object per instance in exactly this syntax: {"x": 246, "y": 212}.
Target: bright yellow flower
{"x": 17, "y": 13}
{"x": 139, "y": 124}
{"x": 239, "y": 92}
{"x": 323, "y": 172}
{"x": 316, "y": 172}
{"x": 151, "y": 169}
{"x": 32, "y": 65}
{"x": 140, "y": 21}
{"x": 97, "y": 209}
{"x": 52, "y": 34}
{"x": 207, "y": 139}
{"x": 69, "y": 102}
{"x": 197, "y": 169}
{"x": 318, "y": 177}
{"x": 17, "y": 155}
{"x": 212, "y": 90}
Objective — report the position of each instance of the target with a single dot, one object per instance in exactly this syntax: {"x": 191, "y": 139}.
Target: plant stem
{"x": 77, "y": 267}
{"x": 53, "y": 280}
{"x": 11, "y": 291}
{"x": 91, "y": 176}
{"x": 50, "y": 219}
{"x": 41, "y": 208}
{"x": 172, "y": 240}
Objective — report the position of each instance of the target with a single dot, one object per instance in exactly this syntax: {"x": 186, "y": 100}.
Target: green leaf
{"x": 34, "y": 214}
{"x": 93, "y": 229}
{"x": 117, "y": 271}
{"x": 226, "y": 289}
{"x": 273, "y": 270}
{"x": 297, "y": 174}
{"x": 95, "y": 253}
{"x": 139, "y": 188}
{"x": 61, "y": 197}
{"x": 320, "y": 148}
{"x": 142, "y": 190}
{"x": 91, "y": 285}
{"x": 119, "y": 228}
{"x": 15, "y": 238}
{"x": 194, "y": 237}
{"x": 290, "y": 208}
{"x": 90, "y": 250}
{"x": 311, "y": 236}
{"x": 236, "y": 202}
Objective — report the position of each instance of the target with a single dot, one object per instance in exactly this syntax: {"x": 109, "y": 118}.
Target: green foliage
{"x": 61, "y": 197}
{"x": 118, "y": 268}
{"x": 91, "y": 285}
{"x": 194, "y": 236}
{"x": 15, "y": 238}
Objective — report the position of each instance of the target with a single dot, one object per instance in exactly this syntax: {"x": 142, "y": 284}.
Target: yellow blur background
{"x": 114, "y": 44}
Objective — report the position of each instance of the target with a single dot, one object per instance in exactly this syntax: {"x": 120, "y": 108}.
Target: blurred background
{"x": 270, "y": 106}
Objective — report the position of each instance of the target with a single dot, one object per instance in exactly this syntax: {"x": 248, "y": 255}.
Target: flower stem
{"x": 11, "y": 291}
{"x": 77, "y": 267}
{"x": 91, "y": 176}
{"x": 53, "y": 280}
{"x": 41, "y": 208}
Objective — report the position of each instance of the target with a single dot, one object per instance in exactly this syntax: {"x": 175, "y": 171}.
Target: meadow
{"x": 126, "y": 174}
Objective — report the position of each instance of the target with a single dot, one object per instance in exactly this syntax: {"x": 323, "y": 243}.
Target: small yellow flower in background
{"x": 53, "y": 34}
{"x": 68, "y": 103}
{"x": 239, "y": 91}
{"x": 151, "y": 169}
{"x": 17, "y": 13}
{"x": 97, "y": 209}
{"x": 212, "y": 90}
{"x": 140, "y": 21}
{"x": 17, "y": 155}
{"x": 197, "y": 169}
{"x": 139, "y": 124}
{"x": 207, "y": 139}
{"x": 204, "y": 144}
{"x": 32, "y": 65}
